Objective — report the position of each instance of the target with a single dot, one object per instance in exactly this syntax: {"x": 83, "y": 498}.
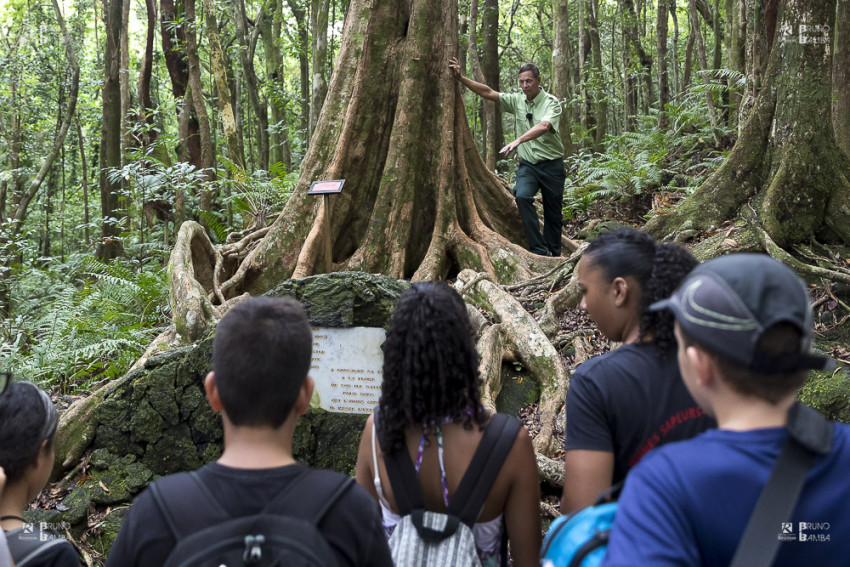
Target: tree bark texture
{"x": 143, "y": 87}
{"x": 219, "y": 65}
{"x": 786, "y": 160}
{"x": 418, "y": 201}
{"x": 252, "y": 83}
{"x": 302, "y": 26}
{"x": 489, "y": 108}
{"x": 490, "y": 62}
{"x": 841, "y": 77}
{"x": 601, "y": 105}
{"x": 110, "y": 140}
{"x": 319, "y": 25}
{"x": 663, "y": 78}
{"x": 562, "y": 71}
{"x": 270, "y": 25}
{"x": 176, "y": 61}
{"x": 736, "y": 45}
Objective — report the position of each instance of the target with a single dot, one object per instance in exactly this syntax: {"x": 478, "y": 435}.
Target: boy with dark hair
{"x": 744, "y": 328}
{"x": 259, "y": 382}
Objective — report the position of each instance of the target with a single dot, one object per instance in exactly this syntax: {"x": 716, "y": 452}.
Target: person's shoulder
{"x": 626, "y": 358}
{"x": 354, "y": 497}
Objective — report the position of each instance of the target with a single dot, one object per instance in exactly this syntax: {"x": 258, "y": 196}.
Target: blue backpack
{"x": 581, "y": 538}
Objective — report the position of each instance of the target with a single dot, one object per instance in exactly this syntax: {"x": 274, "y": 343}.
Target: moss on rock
{"x": 829, "y": 393}
{"x": 328, "y": 440}
{"x": 345, "y": 299}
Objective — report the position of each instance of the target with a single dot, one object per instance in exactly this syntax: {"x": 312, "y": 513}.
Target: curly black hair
{"x": 430, "y": 366}
{"x": 658, "y": 269}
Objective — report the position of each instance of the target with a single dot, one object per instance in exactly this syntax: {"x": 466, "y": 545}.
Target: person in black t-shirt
{"x": 624, "y": 403}
{"x": 27, "y": 427}
{"x": 259, "y": 382}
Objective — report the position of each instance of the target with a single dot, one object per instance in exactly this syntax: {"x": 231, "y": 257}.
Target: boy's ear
{"x": 703, "y": 364}
{"x": 305, "y": 394}
{"x": 212, "y": 392}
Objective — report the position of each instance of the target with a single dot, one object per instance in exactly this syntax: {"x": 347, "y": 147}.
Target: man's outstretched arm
{"x": 480, "y": 89}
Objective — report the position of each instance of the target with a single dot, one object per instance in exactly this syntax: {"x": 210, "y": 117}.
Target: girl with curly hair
{"x": 430, "y": 408}
{"x": 625, "y": 402}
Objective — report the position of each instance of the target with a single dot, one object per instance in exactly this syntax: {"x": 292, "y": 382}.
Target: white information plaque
{"x": 347, "y": 368}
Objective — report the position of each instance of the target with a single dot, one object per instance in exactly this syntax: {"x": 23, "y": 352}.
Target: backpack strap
{"x": 809, "y": 434}
{"x": 405, "y": 484}
{"x": 28, "y": 552}
{"x": 476, "y": 483}
{"x": 189, "y": 506}
{"x": 322, "y": 489}
{"x": 186, "y": 504}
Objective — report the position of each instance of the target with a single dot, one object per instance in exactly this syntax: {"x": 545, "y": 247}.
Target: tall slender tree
{"x": 110, "y": 245}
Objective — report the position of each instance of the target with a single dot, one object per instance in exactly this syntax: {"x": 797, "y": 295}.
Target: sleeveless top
{"x": 488, "y": 535}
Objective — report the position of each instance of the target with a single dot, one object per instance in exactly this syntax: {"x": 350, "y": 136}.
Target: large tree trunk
{"x": 110, "y": 140}
{"x": 562, "y": 70}
{"x": 601, "y": 105}
{"x": 786, "y": 161}
{"x": 841, "y": 77}
{"x": 418, "y": 201}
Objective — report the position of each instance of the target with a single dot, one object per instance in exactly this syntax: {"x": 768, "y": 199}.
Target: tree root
{"x": 568, "y": 297}
{"x": 532, "y": 347}
{"x": 783, "y": 256}
{"x": 491, "y": 347}
{"x": 550, "y": 471}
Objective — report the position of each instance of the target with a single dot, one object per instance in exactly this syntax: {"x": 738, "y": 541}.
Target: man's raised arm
{"x": 480, "y": 89}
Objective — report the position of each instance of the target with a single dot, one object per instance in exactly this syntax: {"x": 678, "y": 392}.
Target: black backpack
{"x": 284, "y": 532}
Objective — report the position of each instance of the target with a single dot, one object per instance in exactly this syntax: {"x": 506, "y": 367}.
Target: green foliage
{"x": 648, "y": 159}
{"x": 81, "y": 322}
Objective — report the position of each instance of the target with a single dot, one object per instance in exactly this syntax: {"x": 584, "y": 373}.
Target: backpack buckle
{"x": 253, "y": 548}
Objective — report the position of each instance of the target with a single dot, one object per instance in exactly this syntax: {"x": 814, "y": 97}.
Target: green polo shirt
{"x": 543, "y": 107}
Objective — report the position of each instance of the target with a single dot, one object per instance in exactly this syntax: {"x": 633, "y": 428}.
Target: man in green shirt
{"x": 541, "y": 153}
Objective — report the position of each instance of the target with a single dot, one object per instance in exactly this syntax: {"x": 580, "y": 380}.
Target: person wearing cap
{"x": 541, "y": 165}
{"x": 744, "y": 328}
{"x": 27, "y": 427}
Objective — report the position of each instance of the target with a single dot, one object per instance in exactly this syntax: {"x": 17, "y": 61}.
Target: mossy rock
{"x": 345, "y": 299}
{"x": 516, "y": 392}
{"x": 328, "y": 440}
{"x": 829, "y": 393}
{"x": 106, "y": 532}
{"x": 74, "y": 507}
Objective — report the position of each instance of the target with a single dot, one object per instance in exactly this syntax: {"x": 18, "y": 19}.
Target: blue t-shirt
{"x": 688, "y": 503}
{"x": 629, "y": 401}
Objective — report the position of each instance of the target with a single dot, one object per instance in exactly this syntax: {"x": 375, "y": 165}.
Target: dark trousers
{"x": 548, "y": 176}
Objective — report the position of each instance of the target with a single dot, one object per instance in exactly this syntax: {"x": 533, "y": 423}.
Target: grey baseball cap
{"x": 727, "y": 303}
